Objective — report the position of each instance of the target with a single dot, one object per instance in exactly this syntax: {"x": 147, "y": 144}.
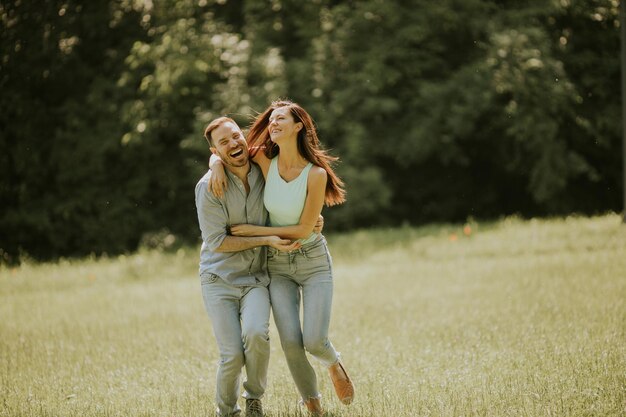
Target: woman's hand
{"x": 218, "y": 181}
{"x": 283, "y": 245}
{"x": 245, "y": 230}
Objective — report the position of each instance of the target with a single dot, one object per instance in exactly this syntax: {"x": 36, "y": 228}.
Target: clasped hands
{"x": 283, "y": 245}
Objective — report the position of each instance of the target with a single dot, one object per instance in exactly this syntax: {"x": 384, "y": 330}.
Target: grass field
{"x": 511, "y": 318}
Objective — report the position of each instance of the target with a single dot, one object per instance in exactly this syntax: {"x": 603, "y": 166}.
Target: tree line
{"x": 439, "y": 111}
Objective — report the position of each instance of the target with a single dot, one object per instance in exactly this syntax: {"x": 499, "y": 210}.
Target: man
{"x": 233, "y": 271}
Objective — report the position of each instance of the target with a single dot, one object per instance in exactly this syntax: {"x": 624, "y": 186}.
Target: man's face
{"x": 230, "y": 145}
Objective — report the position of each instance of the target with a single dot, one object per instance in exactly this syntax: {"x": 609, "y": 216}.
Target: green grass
{"x": 518, "y": 318}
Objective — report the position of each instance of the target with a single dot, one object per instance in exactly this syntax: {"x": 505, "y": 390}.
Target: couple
{"x": 243, "y": 262}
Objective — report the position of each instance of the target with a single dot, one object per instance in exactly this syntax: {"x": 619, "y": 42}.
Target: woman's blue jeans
{"x": 304, "y": 274}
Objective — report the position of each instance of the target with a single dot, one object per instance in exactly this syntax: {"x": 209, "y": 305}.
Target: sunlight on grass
{"x": 510, "y": 318}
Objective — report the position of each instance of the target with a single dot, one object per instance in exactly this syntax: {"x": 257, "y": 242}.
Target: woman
{"x": 298, "y": 182}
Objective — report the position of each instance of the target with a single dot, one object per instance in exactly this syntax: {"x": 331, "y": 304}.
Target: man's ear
{"x": 213, "y": 150}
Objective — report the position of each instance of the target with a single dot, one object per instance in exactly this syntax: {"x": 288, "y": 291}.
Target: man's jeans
{"x": 305, "y": 273}
{"x": 240, "y": 319}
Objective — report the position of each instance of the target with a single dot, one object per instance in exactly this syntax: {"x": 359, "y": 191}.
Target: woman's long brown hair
{"x": 308, "y": 146}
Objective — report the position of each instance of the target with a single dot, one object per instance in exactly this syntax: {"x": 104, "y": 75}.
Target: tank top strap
{"x": 273, "y": 170}
{"x": 306, "y": 169}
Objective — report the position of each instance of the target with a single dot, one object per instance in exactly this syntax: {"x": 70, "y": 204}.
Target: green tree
{"x": 438, "y": 110}
{"x": 462, "y": 108}
{"x": 58, "y": 61}
{"x": 191, "y": 69}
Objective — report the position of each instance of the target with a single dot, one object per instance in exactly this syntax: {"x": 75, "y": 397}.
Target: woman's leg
{"x": 285, "y": 299}
{"x": 317, "y": 297}
{"x": 315, "y": 273}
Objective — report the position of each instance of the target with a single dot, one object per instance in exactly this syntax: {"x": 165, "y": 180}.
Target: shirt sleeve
{"x": 212, "y": 217}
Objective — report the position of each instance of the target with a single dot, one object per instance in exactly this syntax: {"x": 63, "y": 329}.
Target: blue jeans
{"x": 240, "y": 319}
{"x": 303, "y": 274}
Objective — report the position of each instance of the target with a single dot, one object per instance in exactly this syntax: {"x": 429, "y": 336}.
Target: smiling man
{"x": 233, "y": 271}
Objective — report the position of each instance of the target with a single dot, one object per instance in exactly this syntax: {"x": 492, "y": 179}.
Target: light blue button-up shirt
{"x": 216, "y": 215}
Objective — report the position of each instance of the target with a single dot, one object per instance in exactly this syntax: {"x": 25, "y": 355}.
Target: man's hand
{"x": 218, "y": 181}
{"x": 283, "y": 245}
{"x": 319, "y": 225}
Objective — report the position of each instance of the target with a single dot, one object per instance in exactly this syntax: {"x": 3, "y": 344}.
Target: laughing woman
{"x": 298, "y": 182}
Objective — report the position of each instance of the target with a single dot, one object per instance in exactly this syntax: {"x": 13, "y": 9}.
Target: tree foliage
{"x": 438, "y": 110}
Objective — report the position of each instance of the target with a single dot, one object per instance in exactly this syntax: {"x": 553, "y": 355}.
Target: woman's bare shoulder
{"x": 317, "y": 173}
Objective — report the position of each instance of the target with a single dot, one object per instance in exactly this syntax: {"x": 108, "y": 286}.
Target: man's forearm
{"x": 239, "y": 243}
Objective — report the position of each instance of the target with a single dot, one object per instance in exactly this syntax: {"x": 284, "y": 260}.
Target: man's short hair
{"x": 214, "y": 125}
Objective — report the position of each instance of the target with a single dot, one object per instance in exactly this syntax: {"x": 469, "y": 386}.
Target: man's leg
{"x": 255, "y": 316}
{"x": 221, "y": 302}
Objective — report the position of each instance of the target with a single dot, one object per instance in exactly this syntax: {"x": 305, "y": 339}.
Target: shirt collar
{"x": 253, "y": 174}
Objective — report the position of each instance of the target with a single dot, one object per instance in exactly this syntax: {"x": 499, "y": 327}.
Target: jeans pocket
{"x": 318, "y": 251}
{"x": 208, "y": 278}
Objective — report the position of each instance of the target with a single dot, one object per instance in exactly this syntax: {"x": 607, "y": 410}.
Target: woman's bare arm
{"x": 218, "y": 182}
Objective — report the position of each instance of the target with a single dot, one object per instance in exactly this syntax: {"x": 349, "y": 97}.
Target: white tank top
{"x": 285, "y": 200}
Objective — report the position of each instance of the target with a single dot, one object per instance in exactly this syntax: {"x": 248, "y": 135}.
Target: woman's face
{"x": 282, "y": 125}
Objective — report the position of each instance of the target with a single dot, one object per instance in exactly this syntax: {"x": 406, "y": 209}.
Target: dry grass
{"x": 512, "y": 318}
